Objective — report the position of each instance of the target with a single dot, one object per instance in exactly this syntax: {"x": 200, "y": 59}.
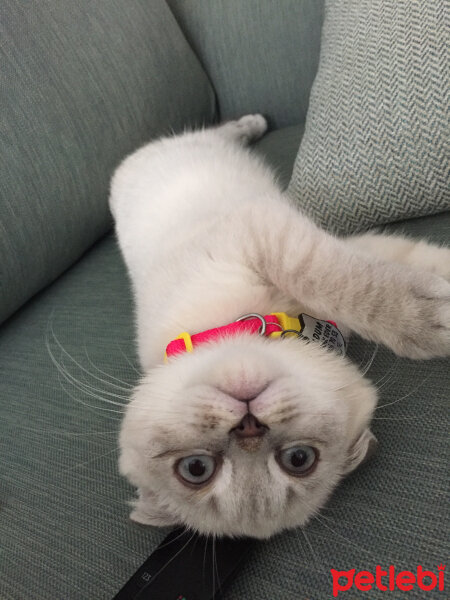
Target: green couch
{"x": 82, "y": 84}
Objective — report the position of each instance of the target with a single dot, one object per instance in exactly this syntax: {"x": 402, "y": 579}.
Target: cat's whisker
{"x": 75, "y": 362}
{"x": 361, "y": 374}
{"x": 204, "y": 556}
{"x": 317, "y": 517}
{"x": 214, "y": 565}
{"x": 81, "y": 386}
{"x": 67, "y": 377}
{"x": 124, "y": 385}
{"x": 386, "y": 382}
{"x": 95, "y": 408}
{"x": 173, "y": 540}
{"x": 396, "y": 418}
{"x": 195, "y": 543}
{"x": 168, "y": 562}
{"x": 314, "y": 510}
{"x": 389, "y": 374}
{"x": 366, "y": 347}
{"x": 90, "y": 390}
{"x": 94, "y": 458}
{"x": 55, "y": 432}
{"x": 406, "y": 395}
{"x": 128, "y": 360}
{"x": 370, "y": 362}
{"x": 85, "y": 388}
{"x": 316, "y": 561}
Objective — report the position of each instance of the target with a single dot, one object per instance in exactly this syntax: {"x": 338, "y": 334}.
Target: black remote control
{"x": 186, "y": 566}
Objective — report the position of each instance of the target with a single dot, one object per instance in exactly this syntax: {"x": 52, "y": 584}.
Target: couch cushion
{"x": 279, "y": 148}
{"x": 376, "y": 141}
{"x": 83, "y": 84}
{"x": 261, "y": 55}
{"x": 63, "y": 514}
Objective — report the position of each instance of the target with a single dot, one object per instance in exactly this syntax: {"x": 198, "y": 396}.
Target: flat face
{"x": 244, "y": 436}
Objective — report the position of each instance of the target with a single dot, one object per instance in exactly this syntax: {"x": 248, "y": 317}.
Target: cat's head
{"x": 198, "y": 458}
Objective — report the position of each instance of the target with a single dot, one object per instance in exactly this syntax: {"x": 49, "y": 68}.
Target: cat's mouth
{"x": 243, "y": 390}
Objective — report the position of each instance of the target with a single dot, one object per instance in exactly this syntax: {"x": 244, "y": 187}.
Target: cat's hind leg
{"x": 416, "y": 254}
{"x": 245, "y": 130}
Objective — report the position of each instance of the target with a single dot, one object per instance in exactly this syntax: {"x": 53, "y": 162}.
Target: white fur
{"x": 208, "y": 236}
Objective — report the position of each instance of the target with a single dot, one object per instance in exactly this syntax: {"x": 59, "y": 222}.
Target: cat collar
{"x": 275, "y": 325}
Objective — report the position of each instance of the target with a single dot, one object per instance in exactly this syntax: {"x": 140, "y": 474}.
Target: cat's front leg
{"x": 404, "y": 309}
{"x": 416, "y": 254}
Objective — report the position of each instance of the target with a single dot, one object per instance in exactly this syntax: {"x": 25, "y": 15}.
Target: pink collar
{"x": 273, "y": 325}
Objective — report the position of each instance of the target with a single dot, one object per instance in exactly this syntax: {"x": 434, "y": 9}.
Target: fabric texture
{"x": 63, "y": 514}
{"x": 261, "y": 55}
{"x": 376, "y": 144}
{"x": 279, "y": 149}
{"x": 83, "y": 84}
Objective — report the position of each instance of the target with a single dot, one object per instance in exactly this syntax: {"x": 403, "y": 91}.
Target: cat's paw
{"x": 252, "y": 126}
{"x": 421, "y": 327}
{"x": 416, "y": 254}
{"x": 431, "y": 258}
{"x": 245, "y": 130}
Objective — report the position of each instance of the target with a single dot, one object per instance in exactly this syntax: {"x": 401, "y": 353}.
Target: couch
{"x": 83, "y": 84}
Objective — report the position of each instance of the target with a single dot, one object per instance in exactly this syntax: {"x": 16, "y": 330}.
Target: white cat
{"x": 250, "y": 434}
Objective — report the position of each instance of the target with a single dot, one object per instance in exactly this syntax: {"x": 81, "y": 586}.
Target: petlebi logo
{"x": 388, "y": 579}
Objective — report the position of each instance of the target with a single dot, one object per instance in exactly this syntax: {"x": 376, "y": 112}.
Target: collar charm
{"x": 275, "y": 325}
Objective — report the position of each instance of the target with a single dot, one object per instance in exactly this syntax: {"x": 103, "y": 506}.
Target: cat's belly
{"x": 174, "y": 189}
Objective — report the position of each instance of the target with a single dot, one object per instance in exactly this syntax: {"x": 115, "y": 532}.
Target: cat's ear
{"x": 359, "y": 452}
{"x": 147, "y": 511}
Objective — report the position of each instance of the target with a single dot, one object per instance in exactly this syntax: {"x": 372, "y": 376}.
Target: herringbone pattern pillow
{"x": 376, "y": 145}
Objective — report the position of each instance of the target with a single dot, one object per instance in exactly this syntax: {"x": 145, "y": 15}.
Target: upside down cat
{"x": 249, "y": 434}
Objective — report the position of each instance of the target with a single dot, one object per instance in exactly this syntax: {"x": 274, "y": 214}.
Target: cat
{"x": 248, "y": 434}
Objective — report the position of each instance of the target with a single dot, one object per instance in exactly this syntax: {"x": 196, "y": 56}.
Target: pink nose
{"x": 249, "y": 427}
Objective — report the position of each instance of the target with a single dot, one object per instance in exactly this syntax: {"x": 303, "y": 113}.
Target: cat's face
{"x": 199, "y": 459}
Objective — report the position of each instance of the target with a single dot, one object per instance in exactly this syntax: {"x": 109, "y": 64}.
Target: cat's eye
{"x": 298, "y": 460}
{"x": 196, "y": 469}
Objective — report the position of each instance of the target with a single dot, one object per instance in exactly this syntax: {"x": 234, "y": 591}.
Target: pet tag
{"x": 325, "y": 333}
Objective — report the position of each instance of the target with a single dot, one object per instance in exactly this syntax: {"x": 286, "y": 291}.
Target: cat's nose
{"x": 249, "y": 427}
